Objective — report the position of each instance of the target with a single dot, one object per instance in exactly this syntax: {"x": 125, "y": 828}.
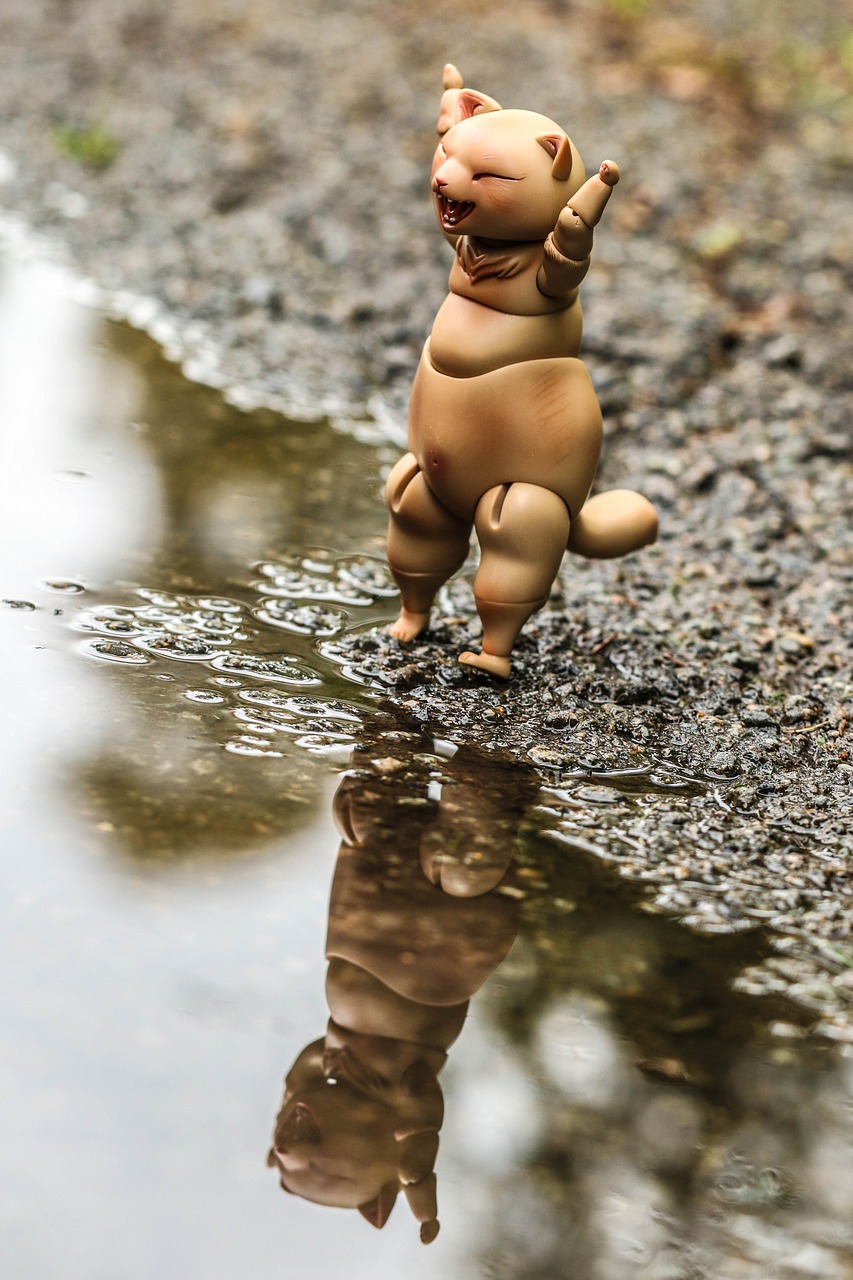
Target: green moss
{"x": 719, "y": 240}
{"x": 630, "y": 9}
{"x": 92, "y": 145}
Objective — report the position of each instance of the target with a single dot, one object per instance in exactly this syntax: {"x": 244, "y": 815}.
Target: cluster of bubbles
{"x": 314, "y": 597}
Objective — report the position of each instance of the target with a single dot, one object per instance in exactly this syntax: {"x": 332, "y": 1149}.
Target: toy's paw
{"x": 429, "y": 1230}
{"x": 488, "y": 662}
{"x": 609, "y": 172}
{"x": 408, "y": 625}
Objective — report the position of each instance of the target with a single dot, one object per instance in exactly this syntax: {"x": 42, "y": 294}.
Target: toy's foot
{"x": 408, "y": 625}
{"x": 490, "y": 662}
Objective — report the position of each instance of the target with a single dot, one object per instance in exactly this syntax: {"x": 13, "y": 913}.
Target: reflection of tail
{"x": 613, "y": 524}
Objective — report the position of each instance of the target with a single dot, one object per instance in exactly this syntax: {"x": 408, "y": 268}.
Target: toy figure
{"x": 416, "y": 925}
{"x": 504, "y": 424}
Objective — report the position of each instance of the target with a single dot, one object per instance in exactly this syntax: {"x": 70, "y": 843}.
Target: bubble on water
{"x": 154, "y": 613}
{"x": 266, "y": 717}
{"x": 356, "y": 673}
{"x": 218, "y": 604}
{"x": 309, "y": 564}
{"x": 294, "y": 583}
{"x": 181, "y": 624}
{"x": 213, "y": 623}
{"x": 331, "y": 748}
{"x": 311, "y": 578}
{"x": 164, "y": 598}
{"x": 115, "y": 651}
{"x": 367, "y": 572}
{"x": 321, "y": 707}
{"x": 303, "y": 619}
{"x": 204, "y": 695}
{"x": 252, "y": 747}
{"x": 285, "y": 670}
{"x": 26, "y": 605}
{"x": 62, "y": 586}
{"x": 320, "y": 559}
{"x": 183, "y": 648}
{"x": 267, "y": 697}
{"x": 107, "y": 622}
{"x": 331, "y": 729}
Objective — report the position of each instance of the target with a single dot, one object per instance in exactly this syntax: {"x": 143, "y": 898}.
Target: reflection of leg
{"x": 523, "y": 531}
{"x": 613, "y": 524}
{"x": 426, "y": 544}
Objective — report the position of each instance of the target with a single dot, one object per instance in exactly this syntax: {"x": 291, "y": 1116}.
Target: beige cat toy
{"x": 504, "y": 424}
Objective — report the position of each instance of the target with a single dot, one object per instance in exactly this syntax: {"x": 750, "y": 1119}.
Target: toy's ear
{"x": 378, "y": 1211}
{"x": 473, "y": 103}
{"x": 560, "y": 150}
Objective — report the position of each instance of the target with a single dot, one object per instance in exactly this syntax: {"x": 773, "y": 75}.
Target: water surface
{"x": 175, "y": 742}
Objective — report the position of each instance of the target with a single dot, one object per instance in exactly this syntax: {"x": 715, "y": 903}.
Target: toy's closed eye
{"x": 501, "y": 177}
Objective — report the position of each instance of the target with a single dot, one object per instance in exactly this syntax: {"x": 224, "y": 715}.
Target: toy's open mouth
{"x": 452, "y": 212}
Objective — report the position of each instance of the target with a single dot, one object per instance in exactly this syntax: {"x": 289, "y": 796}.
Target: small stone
{"x": 388, "y": 765}
{"x": 667, "y": 1070}
{"x": 758, "y": 717}
{"x": 724, "y": 763}
{"x": 793, "y": 641}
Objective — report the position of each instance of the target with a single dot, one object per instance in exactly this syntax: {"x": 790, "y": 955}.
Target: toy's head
{"x": 333, "y": 1144}
{"x": 502, "y": 175}
{"x": 357, "y": 1142}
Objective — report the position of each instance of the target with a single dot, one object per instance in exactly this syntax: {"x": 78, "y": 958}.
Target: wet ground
{"x": 218, "y": 780}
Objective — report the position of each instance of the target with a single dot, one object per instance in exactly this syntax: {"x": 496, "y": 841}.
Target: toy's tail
{"x": 613, "y": 524}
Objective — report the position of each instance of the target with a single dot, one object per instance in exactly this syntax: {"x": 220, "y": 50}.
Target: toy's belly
{"x": 469, "y": 338}
{"x": 537, "y": 421}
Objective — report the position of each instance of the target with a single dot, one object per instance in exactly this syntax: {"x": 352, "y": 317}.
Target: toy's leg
{"x": 523, "y": 530}
{"x": 426, "y": 544}
{"x": 613, "y": 524}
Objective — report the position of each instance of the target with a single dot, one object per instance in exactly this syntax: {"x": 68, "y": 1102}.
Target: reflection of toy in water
{"x": 504, "y": 424}
{"x": 415, "y": 928}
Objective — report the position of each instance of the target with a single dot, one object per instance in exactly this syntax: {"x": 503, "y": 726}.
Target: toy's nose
{"x": 438, "y": 183}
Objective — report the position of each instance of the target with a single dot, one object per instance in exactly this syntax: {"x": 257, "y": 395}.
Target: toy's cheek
{"x": 439, "y": 158}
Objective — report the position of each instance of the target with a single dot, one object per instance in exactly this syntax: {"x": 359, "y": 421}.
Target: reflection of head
{"x": 338, "y": 1144}
{"x": 332, "y": 1145}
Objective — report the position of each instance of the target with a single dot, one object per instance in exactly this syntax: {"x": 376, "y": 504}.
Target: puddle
{"x": 612, "y": 1099}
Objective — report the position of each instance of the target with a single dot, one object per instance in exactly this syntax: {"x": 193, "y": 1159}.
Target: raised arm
{"x": 568, "y": 247}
